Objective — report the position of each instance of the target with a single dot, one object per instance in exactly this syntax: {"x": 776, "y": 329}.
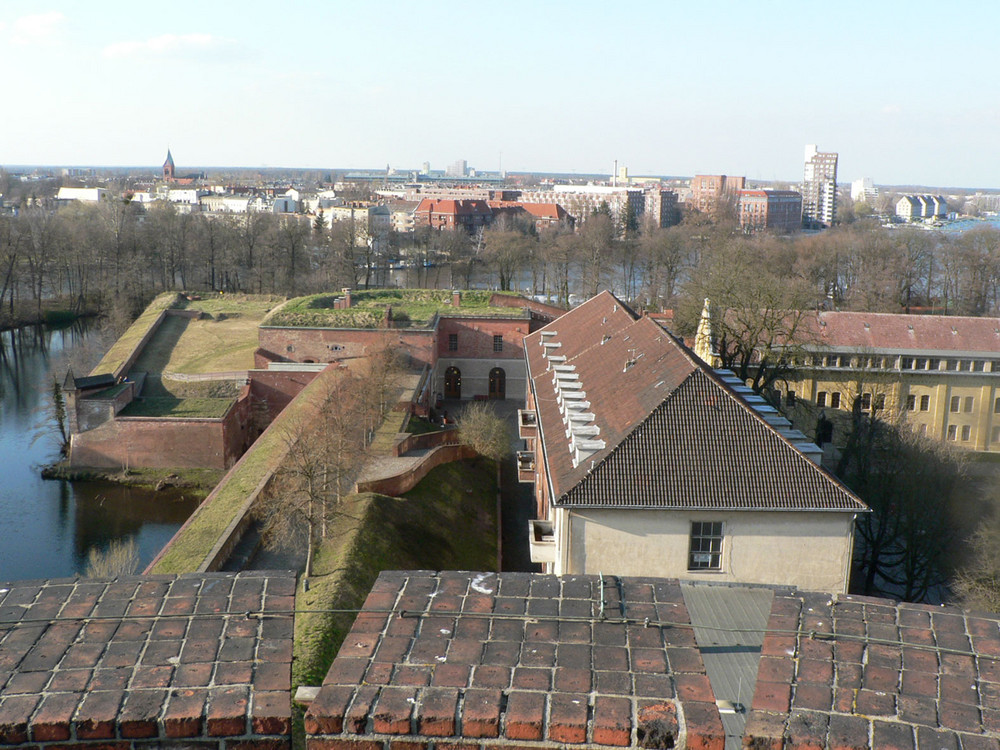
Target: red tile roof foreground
{"x": 492, "y": 660}
{"x": 865, "y": 672}
{"x": 196, "y": 660}
{"x": 530, "y": 660}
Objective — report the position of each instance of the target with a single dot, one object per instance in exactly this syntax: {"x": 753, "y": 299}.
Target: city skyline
{"x": 900, "y": 91}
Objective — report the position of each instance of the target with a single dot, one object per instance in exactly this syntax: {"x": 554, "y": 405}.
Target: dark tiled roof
{"x": 599, "y": 337}
{"x": 876, "y": 674}
{"x": 156, "y": 658}
{"x": 493, "y": 659}
{"x": 104, "y": 380}
{"x": 703, "y": 448}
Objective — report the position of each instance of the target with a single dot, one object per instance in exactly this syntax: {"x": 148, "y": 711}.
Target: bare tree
{"x": 909, "y": 482}
{"x": 506, "y": 251}
{"x": 758, "y": 306}
{"x": 483, "y": 429}
{"x": 977, "y": 583}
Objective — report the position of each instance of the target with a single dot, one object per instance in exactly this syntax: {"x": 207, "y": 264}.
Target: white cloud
{"x": 37, "y": 28}
{"x": 891, "y": 109}
{"x": 166, "y": 45}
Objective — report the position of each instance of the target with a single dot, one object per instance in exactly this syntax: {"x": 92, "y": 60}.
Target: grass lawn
{"x": 447, "y": 522}
{"x": 224, "y": 342}
{"x": 251, "y": 305}
{"x": 205, "y": 408}
{"x": 414, "y": 306}
{"x": 420, "y": 426}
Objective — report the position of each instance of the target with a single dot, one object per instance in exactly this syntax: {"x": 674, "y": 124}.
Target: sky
{"x": 905, "y": 92}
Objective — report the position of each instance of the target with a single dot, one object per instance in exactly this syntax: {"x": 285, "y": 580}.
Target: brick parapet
{"x": 515, "y": 660}
{"x": 859, "y": 672}
{"x": 195, "y": 661}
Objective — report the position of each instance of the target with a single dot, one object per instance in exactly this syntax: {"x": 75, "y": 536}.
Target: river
{"x": 48, "y": 527}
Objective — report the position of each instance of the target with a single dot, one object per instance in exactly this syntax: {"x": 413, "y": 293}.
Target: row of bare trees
{"x": 117, "y": 250}
{"x": 327, "y": 446}
{"x": 114, "y": 252}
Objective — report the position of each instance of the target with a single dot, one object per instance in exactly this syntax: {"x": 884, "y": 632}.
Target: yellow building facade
{"x": 941, "y": 374}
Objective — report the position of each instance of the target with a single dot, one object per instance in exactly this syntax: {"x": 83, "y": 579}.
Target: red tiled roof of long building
{"x": 674, "y": 435}
{"x": 904, "y": 333}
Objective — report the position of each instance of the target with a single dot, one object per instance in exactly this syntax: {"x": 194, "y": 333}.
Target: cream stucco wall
{"x": 811, "y": 550}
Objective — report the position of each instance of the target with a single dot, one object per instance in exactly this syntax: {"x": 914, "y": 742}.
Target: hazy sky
{"x": 906, "y": 92}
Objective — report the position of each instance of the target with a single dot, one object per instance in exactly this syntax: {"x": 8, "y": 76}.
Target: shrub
{"x": 120, "y": 558}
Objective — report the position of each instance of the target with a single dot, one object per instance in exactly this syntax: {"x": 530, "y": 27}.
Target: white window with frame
{"x": 706, "y": 546}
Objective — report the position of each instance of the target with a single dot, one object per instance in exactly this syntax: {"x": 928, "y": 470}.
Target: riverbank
{"x": 203, "y": 480}
{"x": 54, "y": 313}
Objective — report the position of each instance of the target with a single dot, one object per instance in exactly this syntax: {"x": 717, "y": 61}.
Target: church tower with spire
{"x": 168, "y": 168}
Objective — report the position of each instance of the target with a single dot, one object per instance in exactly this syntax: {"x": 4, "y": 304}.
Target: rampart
{"x": 297, "y": 344}
{"x": 205, "y": 541}
{"x": 166, "y": 442}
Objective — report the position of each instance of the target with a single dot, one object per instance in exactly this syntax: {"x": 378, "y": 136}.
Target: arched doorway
{"x": 498, "y": 383}
{"x": 453, "y": 382}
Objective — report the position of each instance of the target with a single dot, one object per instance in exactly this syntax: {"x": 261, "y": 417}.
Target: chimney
{"x": 456, "y": 298}
{"x": 347, "y": 296}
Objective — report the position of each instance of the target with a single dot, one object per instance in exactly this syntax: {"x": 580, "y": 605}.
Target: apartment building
{"x": 709, "y": 190}
{"x": 819, "y": 188}
{"x": 863, "y": 190}
{"x": 775, "y": 210}
{"x": 451, "y": 214}
{"x": 913, "y": 207}
{"x": 580, "y": 201}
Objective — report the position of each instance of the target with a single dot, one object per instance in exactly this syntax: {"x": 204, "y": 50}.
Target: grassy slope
{"x": 179, "y": 408}
{"x": 224, "y": 341}
{"x": 448, "y": 521}
{"x": 123, "y": 347}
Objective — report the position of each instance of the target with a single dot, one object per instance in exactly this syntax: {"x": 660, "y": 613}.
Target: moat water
{"x": 48, "y": 527}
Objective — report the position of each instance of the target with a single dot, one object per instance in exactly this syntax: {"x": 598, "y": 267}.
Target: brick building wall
{"x": 88, "y": 413}
{"x": 778, "y": 210}
{"x": 273, "y": 390}
{"x": 481, "y": 346}
{"x": 166, "y": 443}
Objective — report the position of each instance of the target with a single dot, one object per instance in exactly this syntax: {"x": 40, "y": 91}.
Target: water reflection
{"x": 47, "y": 528}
